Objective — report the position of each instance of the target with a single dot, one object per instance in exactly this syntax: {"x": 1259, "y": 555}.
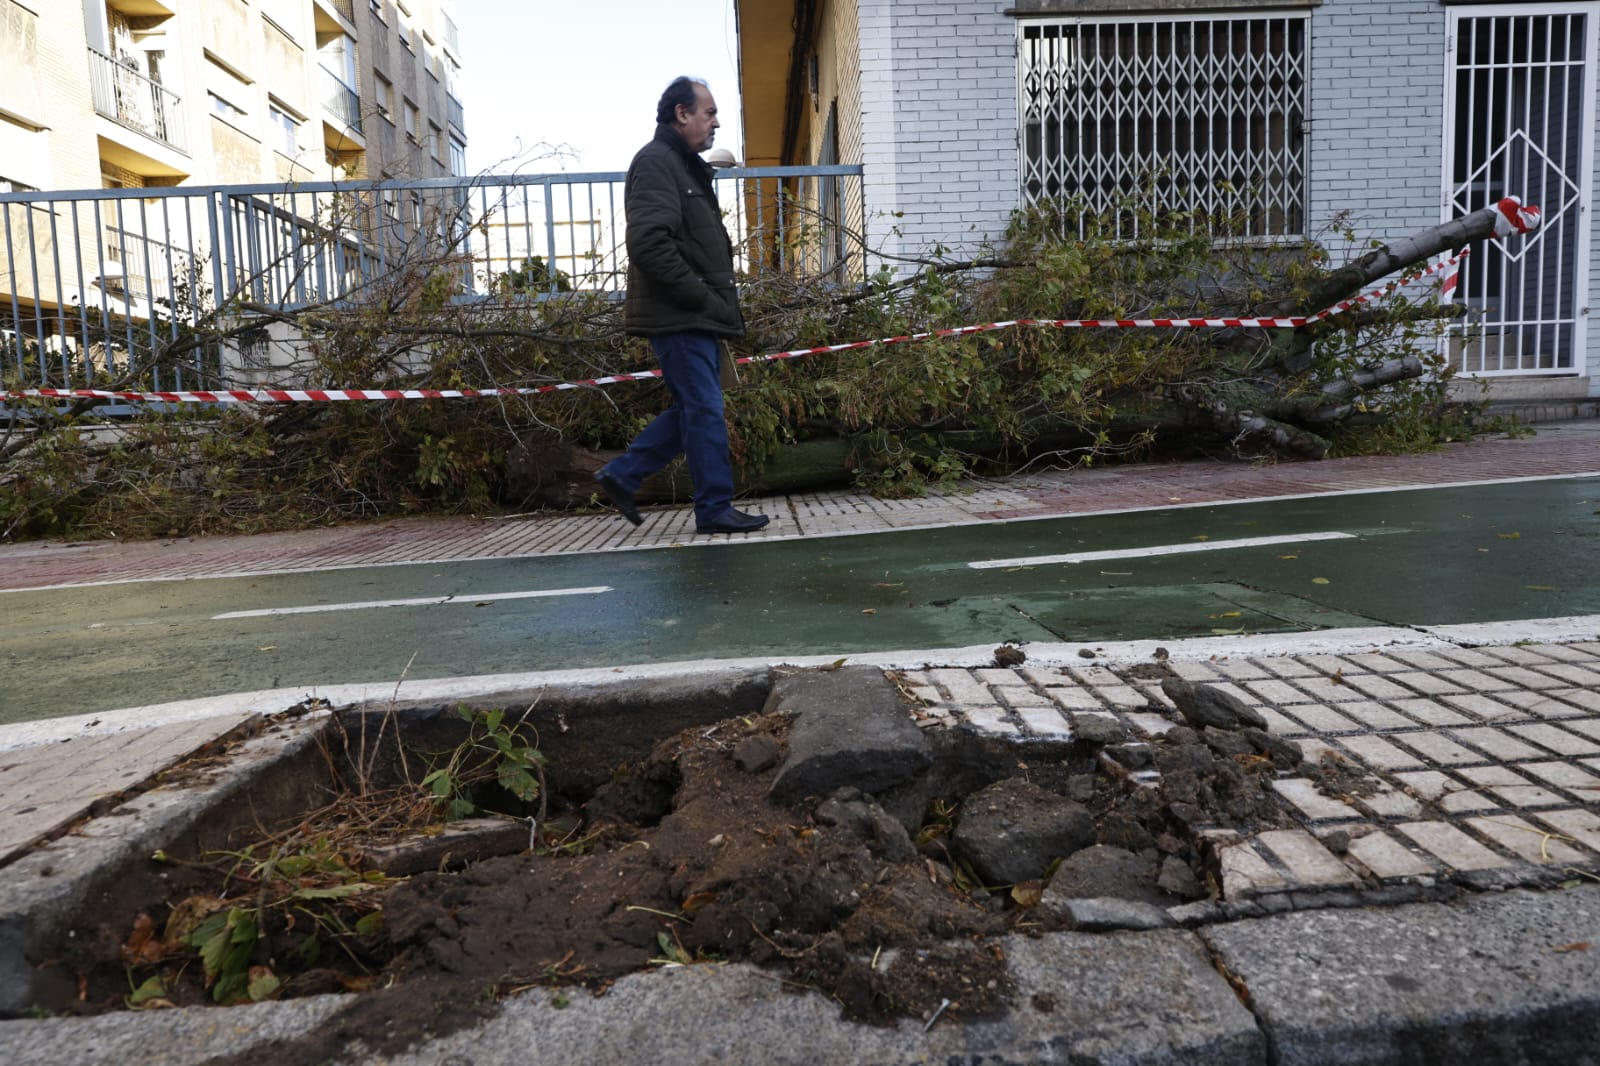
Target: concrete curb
{"x": 1499, "y": 979}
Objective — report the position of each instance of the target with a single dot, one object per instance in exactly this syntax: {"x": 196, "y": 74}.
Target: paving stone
{"x": 1428, "y": 785}
{"x": 1574, "y": 779}
{"x": 1589, "y": 727}
{"x": 1561, "y": 741}
{"x": 999, "y": 677}
{"x": 1330, "y": 664}
{"x": 1512, "y": 654}
{"x": 1308, "y": 861}
{"x": 1422, "y": 660}
{"x": 1047, "y": 678}
{"x": 1240, "y": 669}
{"x": 1425, "y": 683}
{"x": 1379, "y": 688}
{"x": 962, "y": 686}
{"x": 1280, "y": 724}
{"x": 1520, "y": 838}
{"x": 1542, "y": 704}
{"x": 1245, "y": 873}
{"x": 1438, "y": 748}
{"x": 1096, "y": 676}
{"x": 1273, "y": 692}
{"x": 1451, "y": 846}
{"x": 1193, "y": 671}
{"x": 1495, "y": 743}
{"x": 1581, "y": 825}
{"x": 1482, "y": 707}
{"x": 989, "y": 720}
{"x": 1313, "y": 804}
{"x": 1313, "y": 749}
{"x": 1376, "y": 662}
{"x": 1585, "y": 676}
{"x": 1475, "y": 680}
{"x": 1379, "y": 753}
{"x": 1567, "y": 653}
{"x": 1153, "y": 724}
{"x": 1469, "y": 657}
{"x": 1018, "y": 698}
{"x": 1510, "y": 786}
{"x": 1387, "y": 858}
{"x": 1522, "y": 677}
{"x": 1588, "y": 699}
{"x": 1075, "y": 699}
{"x": 1321, "y": 718}
{"x": 1467, "y": 801}
{"x": 1288, "y": 668}
{"x": 1044, "y": 722}
{"x": 1389, "y": 802}
{"x": 1375, "y": 715}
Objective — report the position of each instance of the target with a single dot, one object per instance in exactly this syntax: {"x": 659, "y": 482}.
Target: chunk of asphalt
{"x": 1107, "y": 913}
{"x": 1207, "y": 705}
{"x": 1504, "y": 978}
{"x": 852, "y": 729}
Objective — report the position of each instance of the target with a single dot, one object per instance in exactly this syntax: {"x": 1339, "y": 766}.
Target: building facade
{"x": 140, "y": 94}
{"x": 1386, "y": 116}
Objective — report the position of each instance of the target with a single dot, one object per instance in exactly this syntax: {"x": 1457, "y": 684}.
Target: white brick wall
{"x": 939, "y": 102}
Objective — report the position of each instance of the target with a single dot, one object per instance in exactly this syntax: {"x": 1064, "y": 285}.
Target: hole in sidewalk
{"x": 435, "y": 860}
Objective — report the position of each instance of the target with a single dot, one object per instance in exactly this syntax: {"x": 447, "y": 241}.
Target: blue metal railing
{"x": 98, "y": 282}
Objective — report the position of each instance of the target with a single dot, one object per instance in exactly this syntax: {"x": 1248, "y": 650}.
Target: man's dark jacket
{"x": 680, "y": 261}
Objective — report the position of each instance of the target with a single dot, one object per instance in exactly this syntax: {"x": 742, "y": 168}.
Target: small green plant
{"x": 493, "y": 752}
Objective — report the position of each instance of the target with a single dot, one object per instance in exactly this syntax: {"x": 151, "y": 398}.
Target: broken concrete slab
{"x": 853, "y": 729}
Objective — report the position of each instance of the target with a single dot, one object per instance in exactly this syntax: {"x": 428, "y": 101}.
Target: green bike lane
{"x": 1406, "y": 557}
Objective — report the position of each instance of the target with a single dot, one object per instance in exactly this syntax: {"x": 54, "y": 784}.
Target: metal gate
{"x": 1519, "y": 113}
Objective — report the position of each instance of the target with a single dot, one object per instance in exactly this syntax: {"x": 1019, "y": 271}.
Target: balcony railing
{"x": 130, "y": 99}
{"x": 341, "y": 101}
{"x": 346, "y": 8}
{"x": 138, "y": 266}
{"x": 455, "y": 113}
{"x": 452, "y": 37}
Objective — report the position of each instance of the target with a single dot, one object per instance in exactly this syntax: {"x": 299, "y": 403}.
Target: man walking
{"x": 681, "y": 295}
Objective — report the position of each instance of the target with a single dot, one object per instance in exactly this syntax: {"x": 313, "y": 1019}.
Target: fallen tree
{"x": 892, "y": 417}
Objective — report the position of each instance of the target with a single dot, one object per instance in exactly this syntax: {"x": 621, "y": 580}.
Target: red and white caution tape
{"x": 273, "y": 396}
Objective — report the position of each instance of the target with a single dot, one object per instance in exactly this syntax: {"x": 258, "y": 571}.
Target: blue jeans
{"x": 693, "y": 426}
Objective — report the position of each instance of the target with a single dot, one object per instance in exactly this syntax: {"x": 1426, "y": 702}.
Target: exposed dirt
{"x": 683, "y": 860}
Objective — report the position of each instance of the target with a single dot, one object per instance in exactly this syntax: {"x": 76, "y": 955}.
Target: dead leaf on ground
{"x": 1509, "y": 536}
{"x": 142, "y": 948}
{"x": 1580, "y": 945}
{"x": 1027, "y": 893}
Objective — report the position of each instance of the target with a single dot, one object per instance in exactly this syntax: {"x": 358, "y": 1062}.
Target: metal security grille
{"x": 1205, "y": 113}
{"x": 1520, "y": 103}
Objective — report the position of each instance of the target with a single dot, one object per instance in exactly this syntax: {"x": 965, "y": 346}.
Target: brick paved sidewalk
{"x": 1557, "y": 449}
{"x": 1485, "y": 761}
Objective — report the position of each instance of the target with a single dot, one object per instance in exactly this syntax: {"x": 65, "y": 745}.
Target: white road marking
{"x": 1159, "y": 549}
{"x": 421, "y": 601}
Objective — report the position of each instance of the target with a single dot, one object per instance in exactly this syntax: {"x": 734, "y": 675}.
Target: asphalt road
{"x": 1409, "y": 557}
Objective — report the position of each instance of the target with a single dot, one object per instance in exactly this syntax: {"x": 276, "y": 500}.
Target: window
{"x": 416, "y": 209}
{"x": 403, "y": 25}
{"x": 12, "y": 185}
{"x": 436, "y": 142}
{"x": 225, "y": 108}
{"x": 411, "y": 117}
{"x": 1206, "y": 113}
{"x": 458, "y": 157}
{"x": 377, "y": 9}
{"x": 385, "y": 96}
{"x": 391, "y": 205}
{"x": 285, "y": 130}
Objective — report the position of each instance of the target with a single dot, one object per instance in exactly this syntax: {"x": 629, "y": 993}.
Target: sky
{"x": 583, "y": 76}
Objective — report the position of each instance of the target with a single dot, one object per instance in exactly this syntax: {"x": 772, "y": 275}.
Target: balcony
{"x": 452, "y": 36}
{"x": 341, "y": 101}
{"x": 130, "y": 99}
{"x": 454, "y": 112}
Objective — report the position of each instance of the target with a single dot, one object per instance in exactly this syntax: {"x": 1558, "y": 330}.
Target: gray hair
{"x": 681, "y": 91}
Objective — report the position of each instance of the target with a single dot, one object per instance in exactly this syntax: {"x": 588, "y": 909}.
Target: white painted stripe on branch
{"x": 421, "y": 601}
{"x": 1158, "y": 549}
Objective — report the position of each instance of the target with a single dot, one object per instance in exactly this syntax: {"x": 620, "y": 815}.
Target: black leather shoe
{"x": 620, "y": 497}
{"x": 733, "y": 522}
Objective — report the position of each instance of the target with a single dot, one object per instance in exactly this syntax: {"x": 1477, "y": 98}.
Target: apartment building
{"x": 135, "y": 93}
{"x": 140, "y": 94}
